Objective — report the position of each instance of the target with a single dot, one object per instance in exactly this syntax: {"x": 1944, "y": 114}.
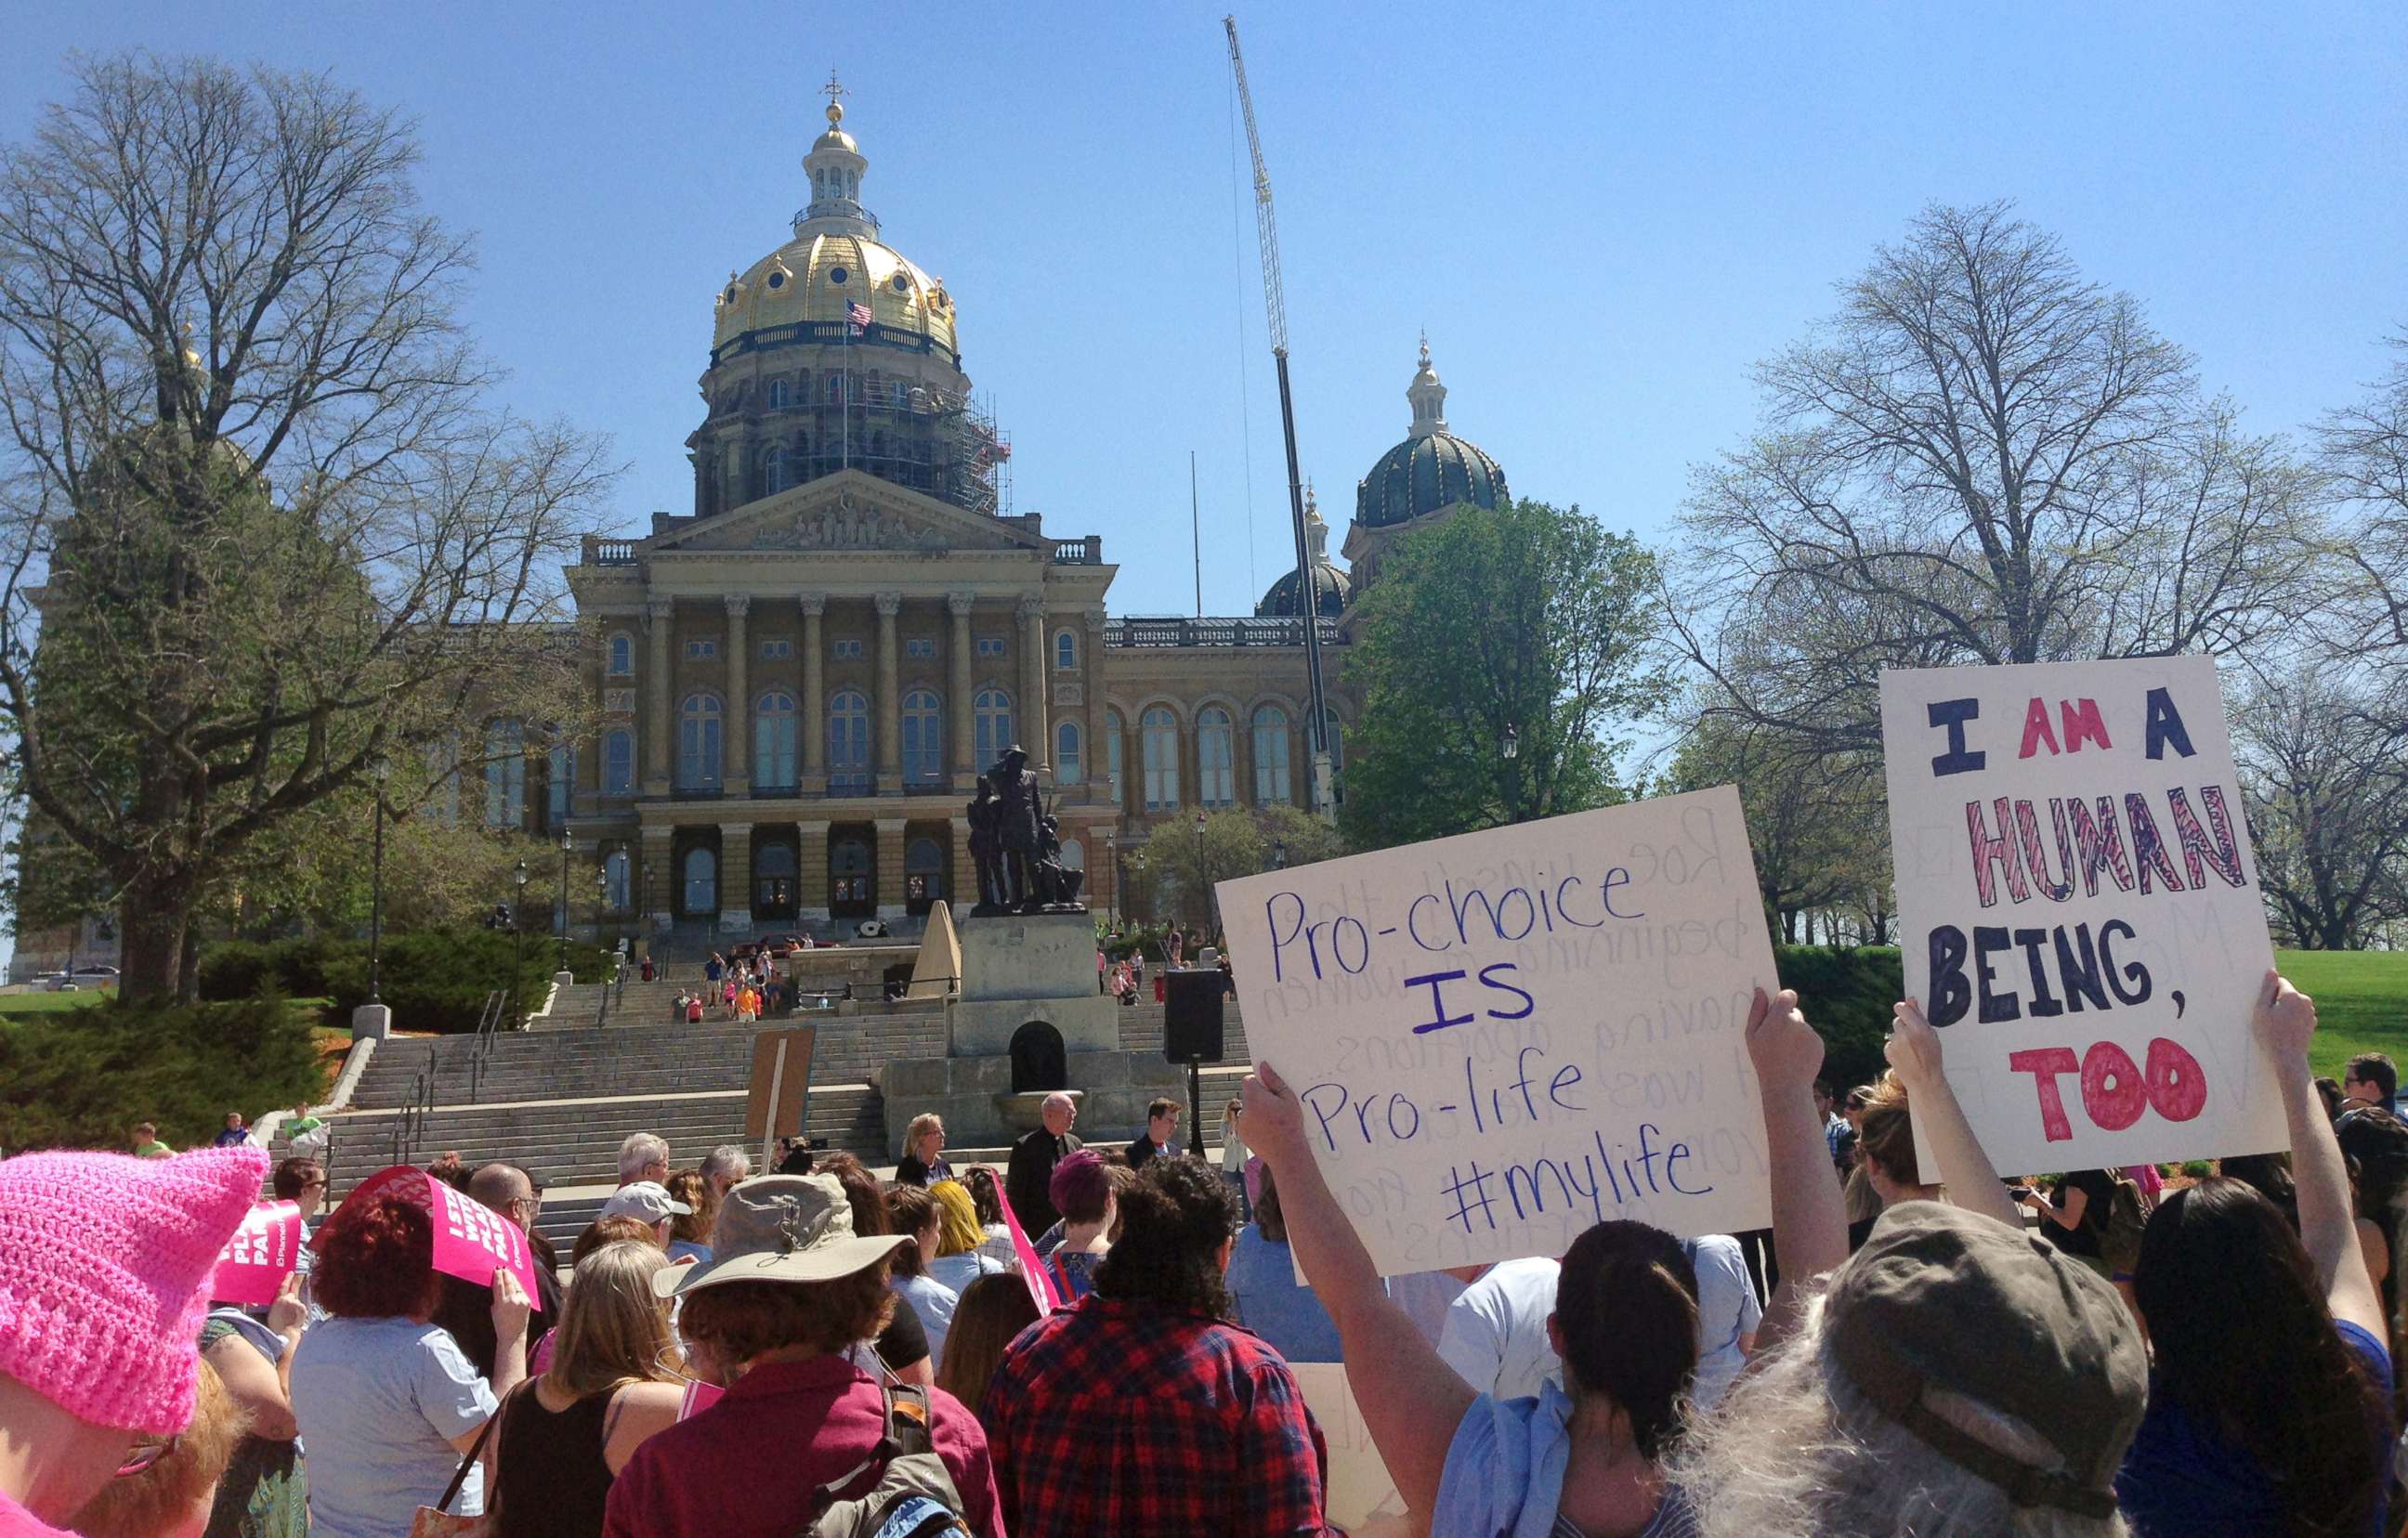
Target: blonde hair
{"x": 167, "y": 1494}
{"x": 959, "y": 1232}
{"x": 922, "y": 1125}
{"x": 612, "y": 1330}
{"x": 692, "y": 1187}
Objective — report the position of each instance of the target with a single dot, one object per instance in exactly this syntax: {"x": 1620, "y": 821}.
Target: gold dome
{"x": 814, "y": 275}
{"x": 836, "y": 259}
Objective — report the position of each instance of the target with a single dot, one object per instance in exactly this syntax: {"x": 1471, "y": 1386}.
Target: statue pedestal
{"x": 371, "y": 1022}
{"x": 1039, "y": 966}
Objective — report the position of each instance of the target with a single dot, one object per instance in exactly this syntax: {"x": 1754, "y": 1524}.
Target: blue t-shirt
{"x": 2182, "y": 1479}
{"x": 378, "y": 1402}
{"x": 1504, "y": 1473}
{"x": 1262, "y": 1280}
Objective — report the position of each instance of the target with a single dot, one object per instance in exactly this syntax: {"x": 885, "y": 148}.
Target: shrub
{"x": 1847, "y": 994}
{"x": 82, "y": 1078}
{"x": 433, "y": 980}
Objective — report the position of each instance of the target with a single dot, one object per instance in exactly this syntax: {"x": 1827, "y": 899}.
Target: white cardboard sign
{"x": 1359, "y": 1496}
{"x": 2079, "y": 909}
{"x": 1504, "y": 1037}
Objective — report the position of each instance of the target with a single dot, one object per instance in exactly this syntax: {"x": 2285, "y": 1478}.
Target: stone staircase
{"x": 559, "y": 1101}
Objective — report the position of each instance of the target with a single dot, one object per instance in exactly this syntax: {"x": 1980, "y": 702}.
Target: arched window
{"x": 622, "y": 656}
{"x": 773, "y": 471}
{"x": 619, "y": 763}
{"x": 850, "y": 894}
{"x": 1065, "y": 753}
{"x": 1065, "y": 652}
{"x": 505, "y": 775}
{"x": 1336, "y": 736}
{"x": 1074, "y": 856}
{"x": 701, "y": 881}
{"x": 773, "y": 742}
{"x": 777, "y": 394}
{"x": 698, "y": 726}
{"x": 993, "y": 712}
{"x": 560, "y": 780}
{"x": 924, "y": 738}
{"x": 1216, "y": 761}
{"x": 848, "y": 742}
{"x": 614, "y": 881}
{"x": 1271, "y": 757}
{"x": 773, "y": 880}
{"x": 1158, "y": 747}
{"x": 1113, "y": 753}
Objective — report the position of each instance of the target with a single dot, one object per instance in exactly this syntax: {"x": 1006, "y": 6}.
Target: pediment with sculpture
{"x": 848, "y": 518}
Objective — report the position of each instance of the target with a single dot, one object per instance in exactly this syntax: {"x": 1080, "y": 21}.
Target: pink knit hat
{"x": 105, "y": 1263}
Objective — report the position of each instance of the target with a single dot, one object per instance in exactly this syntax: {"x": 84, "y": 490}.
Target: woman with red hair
{"x": 386, "y": 1401}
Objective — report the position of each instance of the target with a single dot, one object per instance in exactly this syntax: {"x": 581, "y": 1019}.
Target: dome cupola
{"x": 1331, "y": 587}
{"x": 1431, "y": 469}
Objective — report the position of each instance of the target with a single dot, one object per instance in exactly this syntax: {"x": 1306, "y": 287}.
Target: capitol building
{"x": 800, "y": 681}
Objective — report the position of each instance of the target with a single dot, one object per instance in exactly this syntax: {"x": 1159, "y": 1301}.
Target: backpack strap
{"x": 902, "y": 1435}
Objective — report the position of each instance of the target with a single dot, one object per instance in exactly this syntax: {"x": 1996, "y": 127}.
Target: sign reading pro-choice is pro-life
{"x": 1504, "y": 1037}
{"x": 2079, "y": 909}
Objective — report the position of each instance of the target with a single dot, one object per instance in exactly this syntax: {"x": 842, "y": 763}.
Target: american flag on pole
{"x": 856, "y": 315}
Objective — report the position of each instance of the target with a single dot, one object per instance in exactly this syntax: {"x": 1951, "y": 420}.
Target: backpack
{"x": 914, "y": 1496}
{"x": 2119, "y": 1235}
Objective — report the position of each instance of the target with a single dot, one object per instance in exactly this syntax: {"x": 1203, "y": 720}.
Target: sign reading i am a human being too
{"x": 2080, "y": 908}
{"x": 1501, "y": 1038}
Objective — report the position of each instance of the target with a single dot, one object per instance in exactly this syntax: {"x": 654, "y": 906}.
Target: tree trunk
{"x": 151, "y": 923}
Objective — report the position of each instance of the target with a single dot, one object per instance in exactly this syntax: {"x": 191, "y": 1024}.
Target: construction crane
{"x": 1308, "y": 587}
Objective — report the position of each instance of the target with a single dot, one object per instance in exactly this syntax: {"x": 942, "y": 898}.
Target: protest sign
{"x": 1504, "y": 1037}
{"x": 471, "y": 1239}
{"x": 264, "y": 1250}
{"x": 1358, "y": 1495}
{"x": 2080, "y": 908}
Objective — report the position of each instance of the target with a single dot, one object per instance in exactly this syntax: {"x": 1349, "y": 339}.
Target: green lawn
{"x": 44, "y": 1003}
{"x": 2361, "y": 1001}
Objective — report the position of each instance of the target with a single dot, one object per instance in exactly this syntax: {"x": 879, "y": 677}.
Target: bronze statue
{"x": 986, "y": 852}
{"x": 1017, "y": 834}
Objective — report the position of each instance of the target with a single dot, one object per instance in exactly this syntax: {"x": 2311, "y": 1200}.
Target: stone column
{"x": 961, "y": 725}
{"x": 660, "y": 727}
{"x": 814, "y": 726}
{"x": 1091, "y": 730}
{"x": 1035, "y": 734}
{"x": 890, "y": 869}
{"x": 736, "y": 876}
{"x": 736, "y": 726}
{"x": 811, "y": 873}
{"x": 887, "y": 754}
{"x": 656, "y": 882}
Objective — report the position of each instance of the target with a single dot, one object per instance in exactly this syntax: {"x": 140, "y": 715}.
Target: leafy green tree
{"x": 1528, "y": 624}
{"x": 1191, "y": 852}
{"x": 1817, "y": 827}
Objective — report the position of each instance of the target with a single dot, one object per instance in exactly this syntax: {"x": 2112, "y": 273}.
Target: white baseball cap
{"x": 647, "y": 1199}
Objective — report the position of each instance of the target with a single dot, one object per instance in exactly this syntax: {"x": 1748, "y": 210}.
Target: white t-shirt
{"x": 1496, "y": 1334}
{"x": 1726, "y": 1310}
{"x": 378, "y": 1402}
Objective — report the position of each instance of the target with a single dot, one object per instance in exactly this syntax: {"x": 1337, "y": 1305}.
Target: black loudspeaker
{"x": 1191, "y": 1020}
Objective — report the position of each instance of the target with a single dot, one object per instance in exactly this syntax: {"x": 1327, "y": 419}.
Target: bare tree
{"x": 262, "y": 528}
{"x": 2363, "y": 449}
{"x": 1816, "y": 821}
{"x": 2327, "y": 796}
{"x": 1983, "y": 457}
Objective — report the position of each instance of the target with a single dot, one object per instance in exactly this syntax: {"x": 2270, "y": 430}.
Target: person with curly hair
{"x": 1141, "y": 1408}
{"x": 386, "y": 1400}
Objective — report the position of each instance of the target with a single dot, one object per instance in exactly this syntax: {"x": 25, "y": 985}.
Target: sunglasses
{"x": 145, "y": 1453}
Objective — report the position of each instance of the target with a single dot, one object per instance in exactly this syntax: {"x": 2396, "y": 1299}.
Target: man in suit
{"x": 1029, "y": 1178}
{"x": 1161, "y": 1135}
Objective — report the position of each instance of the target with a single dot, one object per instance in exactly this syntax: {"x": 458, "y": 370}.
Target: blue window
{"x": 698, "y": 729}
{"x": 993, "y": 714}
{"x": 924, "y": 738}
{"x": 773, "y": 742}
{"x": 848, "y": 757}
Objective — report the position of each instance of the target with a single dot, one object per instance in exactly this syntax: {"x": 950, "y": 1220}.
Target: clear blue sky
{"x": 1603, "y": 215}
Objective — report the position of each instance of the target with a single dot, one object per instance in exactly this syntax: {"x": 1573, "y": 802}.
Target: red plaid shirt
{"x": 1119, "y": 1416}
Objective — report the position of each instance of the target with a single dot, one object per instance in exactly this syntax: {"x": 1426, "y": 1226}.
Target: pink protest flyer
{"x": 471, "y": 1239}
{"x": 264, "y": 1250}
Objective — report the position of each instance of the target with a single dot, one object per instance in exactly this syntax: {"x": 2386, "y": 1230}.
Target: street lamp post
{"x": 1113, "y": 853}
{"x": 567, "y": 844}
{"x": 601, "y": 898}
{"x": 518, "y": 937}
{"x": 1509, "y": 747}
{"x": 1279, "y": 854}
{"x": 380, "y": 773}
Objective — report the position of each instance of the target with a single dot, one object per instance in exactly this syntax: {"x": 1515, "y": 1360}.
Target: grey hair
{"x": 1794, "y": 1451}
{"x": 641, "y": 1148}
{"x": 728, "y": 1159}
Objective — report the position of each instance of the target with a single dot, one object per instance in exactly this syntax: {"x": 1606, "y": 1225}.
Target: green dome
{"x": 1422, "y": 475}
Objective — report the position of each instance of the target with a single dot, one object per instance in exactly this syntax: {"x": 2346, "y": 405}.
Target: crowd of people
{"x": 1099, "y": 1341}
